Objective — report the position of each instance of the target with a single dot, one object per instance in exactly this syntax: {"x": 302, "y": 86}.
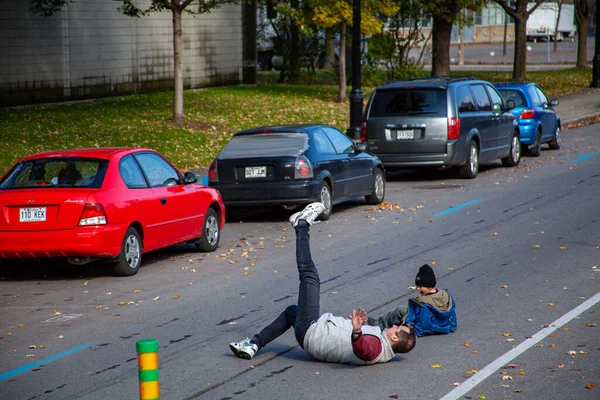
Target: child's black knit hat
{"x": 425, "y": 277}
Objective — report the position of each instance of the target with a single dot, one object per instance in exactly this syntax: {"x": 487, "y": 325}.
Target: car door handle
{"x": 163, "y": 200}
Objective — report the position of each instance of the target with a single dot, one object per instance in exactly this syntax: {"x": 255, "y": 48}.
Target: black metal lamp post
{"x": 356, "y": 95}
{"x": 596, "y": 60}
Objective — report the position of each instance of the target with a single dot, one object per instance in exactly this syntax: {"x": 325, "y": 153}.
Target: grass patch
{"x": 212, "y": 116}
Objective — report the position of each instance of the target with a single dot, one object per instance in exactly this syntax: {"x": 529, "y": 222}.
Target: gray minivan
{"x": 440, "y": 122}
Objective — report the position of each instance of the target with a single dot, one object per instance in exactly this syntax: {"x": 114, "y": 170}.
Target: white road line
{"x": 495, "y": 365}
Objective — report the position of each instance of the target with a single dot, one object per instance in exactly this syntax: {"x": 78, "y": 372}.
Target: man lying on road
{"x": 326, "y": 337}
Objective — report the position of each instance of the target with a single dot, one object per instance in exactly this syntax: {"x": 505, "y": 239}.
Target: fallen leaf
{"x": 473, "y": 371}
{"x": 508, "y": 366}
{"x": 32, "y": 346}
{"x": 156, "y": 298}
{"x": 510, "y": 340}
{"x": 571, "y": 352}
{"x": 590, "y": 385}
{"x": 435, "y": 366}
{"x": 536, "y": 246}
{"x": 506, "y": 334}
{"x": 137, "y": 291}
{"x": 465, "y": 344}
{"x": 394, "y": 396}
{"x": 561, "y": 365}
{"x": 176, "y": 296}
{"x": 456, "y": 384}
{"x": 563, "y": 247}
{"x": 507, "y": 378}
{"x": 504, "y": 286}
{"x": 551, "y": 304}
{"x": 20, "y": 325}
{"x": 475, "y": 351}
{"x": 481, "y": 396}
{"x": 554, "y": 335}
{"x": 521, "y": 373}
{"x": 591, "y": 325}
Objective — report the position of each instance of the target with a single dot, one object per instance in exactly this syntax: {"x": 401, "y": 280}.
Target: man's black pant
{"x": 299, "y": 316}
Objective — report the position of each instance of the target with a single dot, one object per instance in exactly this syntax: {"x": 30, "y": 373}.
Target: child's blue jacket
{"x": 426, "y": 319}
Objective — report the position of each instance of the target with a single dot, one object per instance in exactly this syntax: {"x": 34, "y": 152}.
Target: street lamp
{"x": 356, "y": 95}
{"x": 596, "y": 60}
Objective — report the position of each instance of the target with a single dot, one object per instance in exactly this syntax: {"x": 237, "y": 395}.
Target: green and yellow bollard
{"x": 148, "y": 369}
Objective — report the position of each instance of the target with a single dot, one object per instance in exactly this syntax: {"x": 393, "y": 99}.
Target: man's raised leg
{"x": 310, "y": 284}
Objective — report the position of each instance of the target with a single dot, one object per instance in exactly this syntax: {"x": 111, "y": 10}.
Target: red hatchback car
{"x": 104, "y": 203}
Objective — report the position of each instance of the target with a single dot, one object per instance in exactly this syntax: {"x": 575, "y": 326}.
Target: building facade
{"x": 89, "y": 49}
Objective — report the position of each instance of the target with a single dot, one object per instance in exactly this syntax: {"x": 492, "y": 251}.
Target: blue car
{"x": 538, "y": 121}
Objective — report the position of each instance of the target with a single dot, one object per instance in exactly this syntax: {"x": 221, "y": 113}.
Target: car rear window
{"x": 56, "y": 173}
{"x": 265, "y": 145}
{"x": 413, "y": 101}
{"x": 514, "y": 95}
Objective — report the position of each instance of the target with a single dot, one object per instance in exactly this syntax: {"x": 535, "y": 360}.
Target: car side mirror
{"x": 510, "y": 104}
{"x": 554, "y": 102}
{"x": 362, "y": 146}
{"x": 190, "y": 177}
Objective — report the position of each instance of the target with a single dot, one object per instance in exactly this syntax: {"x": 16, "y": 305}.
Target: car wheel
{"x": 556, "y": 142}
{"x": 471, "y": 167}
{"x": 130, "y": 258}
{"x": 536, "y": 149}
{"x": 514, "y": 156}
{"x": 209, "y": 240}
{"x": 325, "y": 198}
{"x": 378, "y": 188}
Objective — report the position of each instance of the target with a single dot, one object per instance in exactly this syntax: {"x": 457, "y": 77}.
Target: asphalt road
{"x": 518, "y": 249}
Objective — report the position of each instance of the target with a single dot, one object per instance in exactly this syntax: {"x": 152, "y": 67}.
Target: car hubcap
{"x": 326, "y": 198}
{"x": 132, "y": 251}
{"x": 379, "y": 186}
{"x": 212, "y": 230}
{"x": 473, "y": 159}
{"x": 516, "y": 149}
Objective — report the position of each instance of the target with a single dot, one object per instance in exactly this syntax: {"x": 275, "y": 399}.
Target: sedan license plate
{"x": 256, "y": 172}
{"x": 32, "y": 214}
{"x": 405, "y": 134}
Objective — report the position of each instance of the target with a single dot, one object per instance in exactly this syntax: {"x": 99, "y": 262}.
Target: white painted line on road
{"x": 480, "y": 376}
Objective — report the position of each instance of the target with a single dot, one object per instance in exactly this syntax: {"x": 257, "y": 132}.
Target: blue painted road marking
{"x": 452, "y": 209}
{"x": 585, "y": 157}
{"x": 9, "y": 374}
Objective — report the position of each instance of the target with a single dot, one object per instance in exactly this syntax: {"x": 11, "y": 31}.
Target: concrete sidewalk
{"x": 578, "y": 107}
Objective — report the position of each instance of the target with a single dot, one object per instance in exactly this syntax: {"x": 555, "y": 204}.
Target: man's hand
{"x": 358, "y": 317}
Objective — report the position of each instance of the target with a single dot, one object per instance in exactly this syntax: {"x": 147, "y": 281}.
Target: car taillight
{"x": 303, "y": 168}
{"x": 213, "y": 176}
{"x": 363, "y": 132}
{"x": 453, "y": 128}
{"x": 526, "y": 114}
{"x": 92, "y": 214}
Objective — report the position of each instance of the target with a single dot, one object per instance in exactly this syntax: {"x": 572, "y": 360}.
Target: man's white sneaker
{"x": 309, "y": 214}
{"x": 244, "y": 349}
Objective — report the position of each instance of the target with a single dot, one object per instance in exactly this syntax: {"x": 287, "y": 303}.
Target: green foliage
{"x": 47, "y": 8}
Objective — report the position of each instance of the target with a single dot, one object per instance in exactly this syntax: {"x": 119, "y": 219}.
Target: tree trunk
{"x": 342, "y": 65}
{"x": 178, "y": 71}
{"x": 440, "y": 58}
{"x": 556, "y": 33}
{"x": 330, "y": 51}
{"x": 582, "y": 43}
{"x": 520, "y": 60}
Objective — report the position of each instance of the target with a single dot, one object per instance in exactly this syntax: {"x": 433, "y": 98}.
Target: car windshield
{"x": 265, "y": 145}
{"x": 63, "y": 172}
{"x": 514, "y": 95}
{"x": 413, "y": 101}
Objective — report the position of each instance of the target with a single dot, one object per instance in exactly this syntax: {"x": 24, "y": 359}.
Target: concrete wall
{"x": 89, "y": 49}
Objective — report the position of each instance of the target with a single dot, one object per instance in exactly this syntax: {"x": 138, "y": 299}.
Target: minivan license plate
{"x": 32, "y": 214}
{"x": 256, "y": 172}
{"x": 405, "y": 134}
